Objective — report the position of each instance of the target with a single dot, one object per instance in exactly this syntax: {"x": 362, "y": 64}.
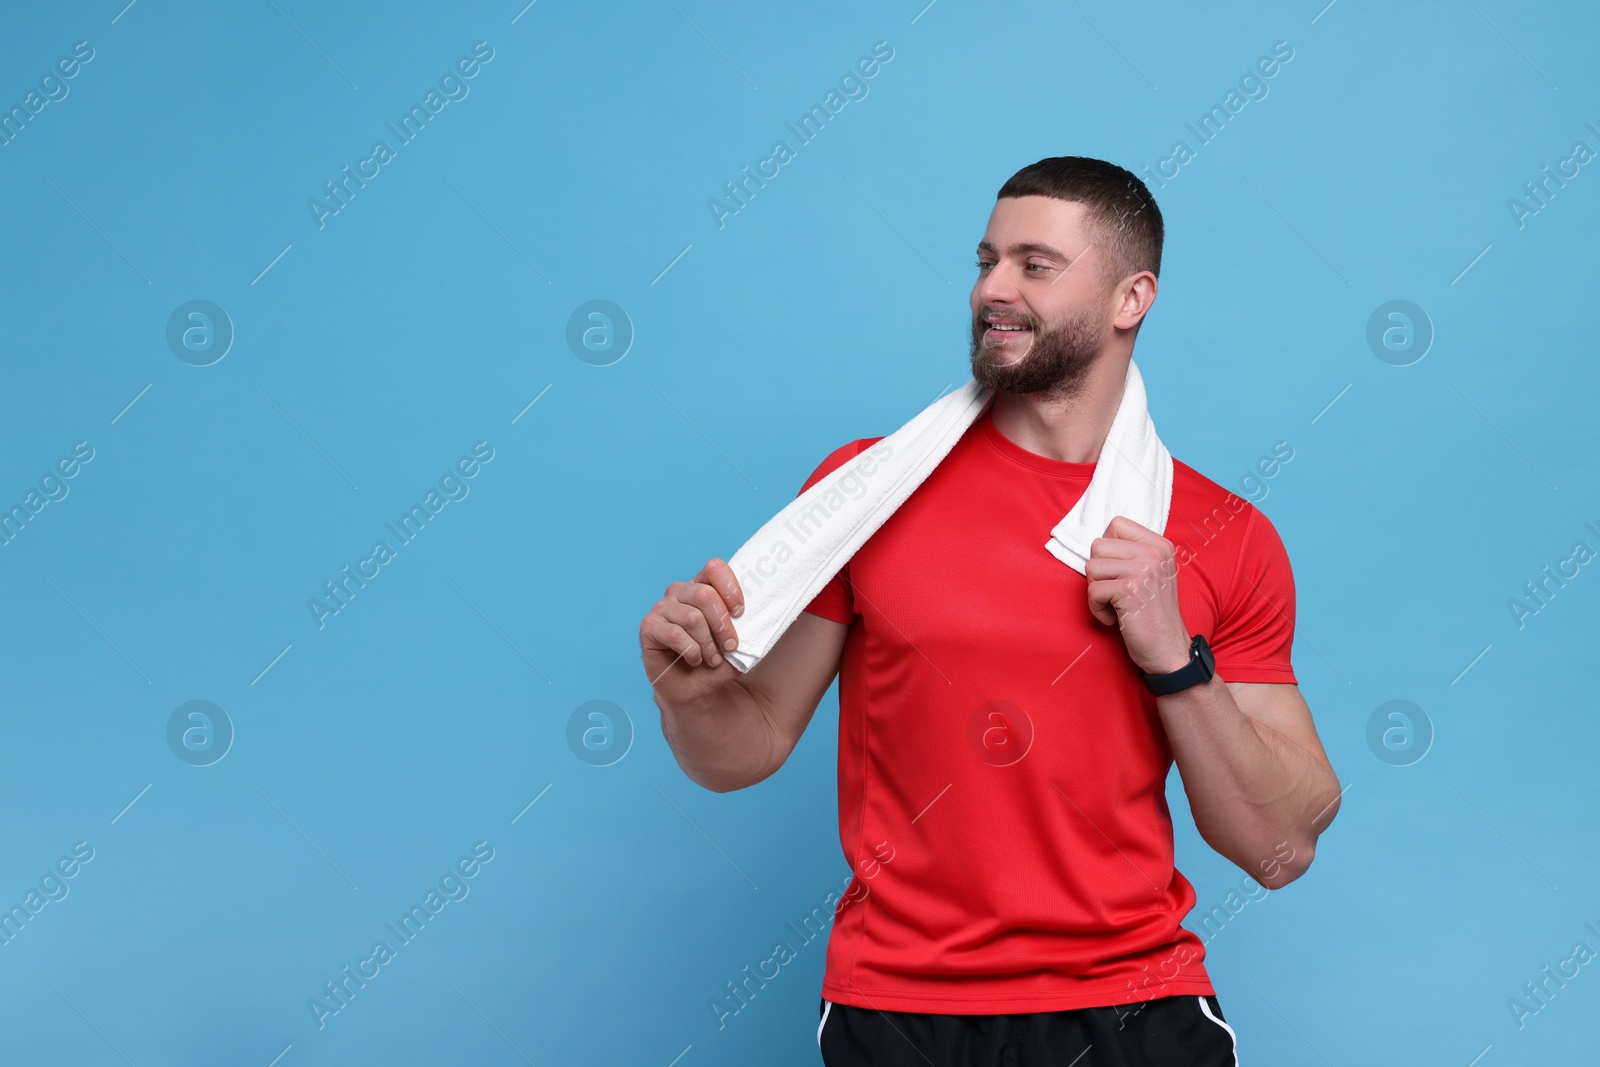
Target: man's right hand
{"x": 684, "y": 636}
{"x": 729, "y": 729}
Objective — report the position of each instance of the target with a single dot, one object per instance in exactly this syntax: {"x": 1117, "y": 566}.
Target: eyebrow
{"x": 1026, "y": 248}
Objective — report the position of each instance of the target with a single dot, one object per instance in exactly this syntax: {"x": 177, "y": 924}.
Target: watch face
{"x": 1206, "y": 657}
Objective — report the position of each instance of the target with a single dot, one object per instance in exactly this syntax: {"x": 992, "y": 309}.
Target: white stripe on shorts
{"x": 1206, "y": 1010}
{"x": 827, "y": 1006}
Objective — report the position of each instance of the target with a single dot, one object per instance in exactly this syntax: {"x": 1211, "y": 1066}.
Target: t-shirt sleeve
{"x": 836, "y": 601}
{"x": 1255, "y": 627}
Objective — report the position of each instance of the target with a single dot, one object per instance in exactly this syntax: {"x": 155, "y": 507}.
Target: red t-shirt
{"x": 1002, "y": 768}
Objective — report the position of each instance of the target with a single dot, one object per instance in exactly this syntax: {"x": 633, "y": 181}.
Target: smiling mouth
{"x": 1003, "y": 331}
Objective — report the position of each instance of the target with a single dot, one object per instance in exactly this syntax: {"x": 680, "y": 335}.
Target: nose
{"x": 996, "y": 286}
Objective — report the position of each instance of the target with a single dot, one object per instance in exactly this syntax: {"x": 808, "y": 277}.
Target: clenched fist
{"x": 1133, "y": 584}
{"x": 686, "y": 632}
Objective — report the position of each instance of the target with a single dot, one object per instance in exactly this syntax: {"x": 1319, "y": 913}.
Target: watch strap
{"x": 1200, "y": 668}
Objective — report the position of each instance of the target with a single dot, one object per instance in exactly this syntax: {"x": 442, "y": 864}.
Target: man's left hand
{"x": 1133, "y": 584}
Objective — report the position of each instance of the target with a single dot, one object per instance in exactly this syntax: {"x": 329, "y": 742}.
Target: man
{"x": 1007, "y": 724}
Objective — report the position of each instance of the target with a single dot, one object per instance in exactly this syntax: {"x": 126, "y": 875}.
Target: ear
{"x": 1135, "y": 294}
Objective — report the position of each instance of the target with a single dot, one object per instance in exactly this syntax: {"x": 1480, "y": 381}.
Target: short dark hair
{"x": 1119, "y": 206}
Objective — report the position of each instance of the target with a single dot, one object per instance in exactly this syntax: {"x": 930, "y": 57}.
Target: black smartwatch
{"x": 1201, "y": 666}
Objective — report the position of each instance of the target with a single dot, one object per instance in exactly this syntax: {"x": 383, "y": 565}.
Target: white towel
{"x": 786, "y": 563}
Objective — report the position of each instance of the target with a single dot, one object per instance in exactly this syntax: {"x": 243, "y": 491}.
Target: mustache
{"x": 979, "y": 320}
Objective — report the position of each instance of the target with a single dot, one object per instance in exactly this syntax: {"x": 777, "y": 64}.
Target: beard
{"x": 1052, "y": 358}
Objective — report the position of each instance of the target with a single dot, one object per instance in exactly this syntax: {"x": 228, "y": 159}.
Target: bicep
{"x": 1281, "y": 708}
{"x": 790, "y": 680}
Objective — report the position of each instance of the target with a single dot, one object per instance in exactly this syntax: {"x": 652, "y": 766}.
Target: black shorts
{"x": 1186, "y": 1031}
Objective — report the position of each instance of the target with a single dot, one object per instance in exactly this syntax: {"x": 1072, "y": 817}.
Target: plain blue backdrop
{"x": 373, "y": 347}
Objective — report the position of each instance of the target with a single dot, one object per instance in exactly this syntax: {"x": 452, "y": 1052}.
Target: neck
{"x": 1071, "y": 429}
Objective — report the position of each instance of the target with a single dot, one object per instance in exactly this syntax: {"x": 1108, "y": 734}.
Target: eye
{"x": 982, "y": 264}
{"x": 1041, "y": 266}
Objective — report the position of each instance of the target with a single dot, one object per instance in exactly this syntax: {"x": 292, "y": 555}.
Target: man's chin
{"x": 996, "y": 368}
{"x": 1007, "y": 378}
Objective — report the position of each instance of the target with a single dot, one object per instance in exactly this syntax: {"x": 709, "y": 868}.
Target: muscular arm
{"x": 1258, "y": 781}
{"x": 738, "y": 729}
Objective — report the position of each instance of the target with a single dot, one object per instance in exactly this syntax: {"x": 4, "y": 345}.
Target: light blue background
{"x": 427, "y": 315}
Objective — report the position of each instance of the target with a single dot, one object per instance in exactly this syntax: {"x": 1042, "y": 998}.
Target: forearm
{"x": 1255, "y": 795}
{"x": 723, "y": 740}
